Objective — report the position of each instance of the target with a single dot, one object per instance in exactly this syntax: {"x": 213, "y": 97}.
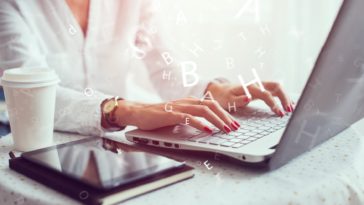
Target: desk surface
{"x": 332, "y": 173}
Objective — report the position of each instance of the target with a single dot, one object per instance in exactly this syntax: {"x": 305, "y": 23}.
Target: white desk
{"x": 332, "y": 173}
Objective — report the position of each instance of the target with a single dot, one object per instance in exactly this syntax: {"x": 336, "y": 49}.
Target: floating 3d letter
{"x": 188, "y": 72}
{"x": 168, "y": 107}
{"x": 229, "y": 63}
{"x": 196, "y": 50}
{"x": 256, "y": 80}
{"x": 137, "y": 52}
{"x": 304, "y": 134}
{"x": 72, "y": 30}
{"x": 167, "y": 58}
{"x": 187, "y": 121}
{"x": 208, "y": 165}
{"x": 166, "y": 75}
{"x": 181, "y": 18}
{"x": 265, "y": 30}
{"x": 207, "y": 96}
{"x": 231, "y": 106}
{"x": 251, "y": 7}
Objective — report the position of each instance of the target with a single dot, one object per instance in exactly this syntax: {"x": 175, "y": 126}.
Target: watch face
{"x": 109, "y": 106}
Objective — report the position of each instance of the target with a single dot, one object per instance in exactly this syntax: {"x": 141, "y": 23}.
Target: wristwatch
{"x": 108, "y": 118}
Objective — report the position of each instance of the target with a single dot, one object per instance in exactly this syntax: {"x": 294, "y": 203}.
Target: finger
{"x": 190, "y": 120}
{"x": 238, "y": 90}
{"x": 277, "y": 90}
{"x": 215, "y": 108}
{"x": 222, "y": 114}
{"x": 267, "y": 97}
{"x": 241, "y": 101}
{"x": 205, "y": 112}
{"x": 218, "y": 110}
{"x": 293, "y": 106}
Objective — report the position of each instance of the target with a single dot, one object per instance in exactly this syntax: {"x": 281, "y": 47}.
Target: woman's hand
{"x": 185, "y": 111}
{"x": 228, "y": 94}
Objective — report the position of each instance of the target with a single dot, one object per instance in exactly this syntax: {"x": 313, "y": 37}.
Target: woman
{"x": 89, "y": 44}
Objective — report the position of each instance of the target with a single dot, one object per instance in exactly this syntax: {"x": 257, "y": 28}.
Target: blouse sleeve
{"x": 75, "y": 112}
{"x": 166, "y": 76}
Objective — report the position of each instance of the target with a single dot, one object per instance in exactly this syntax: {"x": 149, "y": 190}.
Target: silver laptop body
{"x": 331, "y": 101}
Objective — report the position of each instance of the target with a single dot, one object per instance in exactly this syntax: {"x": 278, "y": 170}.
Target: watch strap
{"x": 110, "y": 119}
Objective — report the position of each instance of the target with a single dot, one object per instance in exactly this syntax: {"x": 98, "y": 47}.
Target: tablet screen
{"x": 100, "y": 162}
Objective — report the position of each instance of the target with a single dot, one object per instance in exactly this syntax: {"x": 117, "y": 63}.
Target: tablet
{"x": 101, "y": 163}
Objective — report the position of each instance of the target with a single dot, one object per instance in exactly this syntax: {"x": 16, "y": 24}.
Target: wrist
{"x": 110, "y": 121}
{"x": 124, "y": 113}
{"x": 127, "y": 113}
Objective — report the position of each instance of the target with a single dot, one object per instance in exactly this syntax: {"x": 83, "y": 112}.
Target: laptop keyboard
{"x": 255, "y": 124}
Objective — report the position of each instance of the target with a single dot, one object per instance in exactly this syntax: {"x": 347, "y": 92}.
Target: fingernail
{"x": 227, "y": 129}
{"x": 236, "y": 123}
{"x": 281, "y": 113}
{"x": 207, "y": 129}
{"x": 246, "y": 99}
{"x": 288, "y": 108}
{"x": 235, "y": 127}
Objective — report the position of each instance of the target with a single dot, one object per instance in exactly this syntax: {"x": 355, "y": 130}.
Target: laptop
{"x": 331, "y": 101}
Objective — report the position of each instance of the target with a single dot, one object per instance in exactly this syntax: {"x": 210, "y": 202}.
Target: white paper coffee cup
{"x": 30, "y": 95}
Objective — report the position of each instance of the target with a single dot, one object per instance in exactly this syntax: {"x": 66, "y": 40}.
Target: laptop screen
{"x": 333, "y": 98}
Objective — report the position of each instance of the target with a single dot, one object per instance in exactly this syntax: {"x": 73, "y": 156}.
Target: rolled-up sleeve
{"x": 75, "y": 112}
{"x": 150, "y": 39}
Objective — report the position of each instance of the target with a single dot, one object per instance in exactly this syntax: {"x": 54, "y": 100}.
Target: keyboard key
{"x": 231, "y": 134}
{"x": 263, "y": 128}
{"x": 243, "y": 137}
{"x": 245, "y": 141}
{"x": 195, "y": 138}
{"x": 243, "y": 131}
{"x": 255, "y": 131}
{"x": 224, "y": 137}
{"x": 271, "y": 130}
{"x": 258, "y": 136}
{"x": 264, "y": 133}
{"x": 227, "y": 144}
{"x": 248, "y": 128}
{"x": 235, "y": 134}
{"x": 278, "y": 127}
{"x": 204, "y": 139}
{"x": 216, "y": 141}
{"x": 251, "y": 139}
{"x": 237, "y": 145}
{"x": 235, "y": 140}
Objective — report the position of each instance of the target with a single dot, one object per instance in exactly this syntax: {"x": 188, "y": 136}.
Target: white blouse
{"x": 44, "y": 33}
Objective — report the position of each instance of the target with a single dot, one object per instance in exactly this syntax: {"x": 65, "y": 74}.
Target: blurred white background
{"x": 279, "y": 38}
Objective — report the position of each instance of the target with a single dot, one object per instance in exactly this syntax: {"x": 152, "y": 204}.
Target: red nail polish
{"x": 227, "y": 129}
{"x": 236, "y": 123}
{"x": 288, "y": 108}
{"x": 207, "y": 129}
{"x": 235, "y": 127}
{"x": 247, "y": 99}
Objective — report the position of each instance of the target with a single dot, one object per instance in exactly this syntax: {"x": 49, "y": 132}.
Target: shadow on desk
{"x": 201, "y": 157}
{"x": 4, "y": 130}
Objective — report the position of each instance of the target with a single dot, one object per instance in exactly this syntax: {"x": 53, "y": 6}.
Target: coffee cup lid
{"x": 29, "y": 77}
